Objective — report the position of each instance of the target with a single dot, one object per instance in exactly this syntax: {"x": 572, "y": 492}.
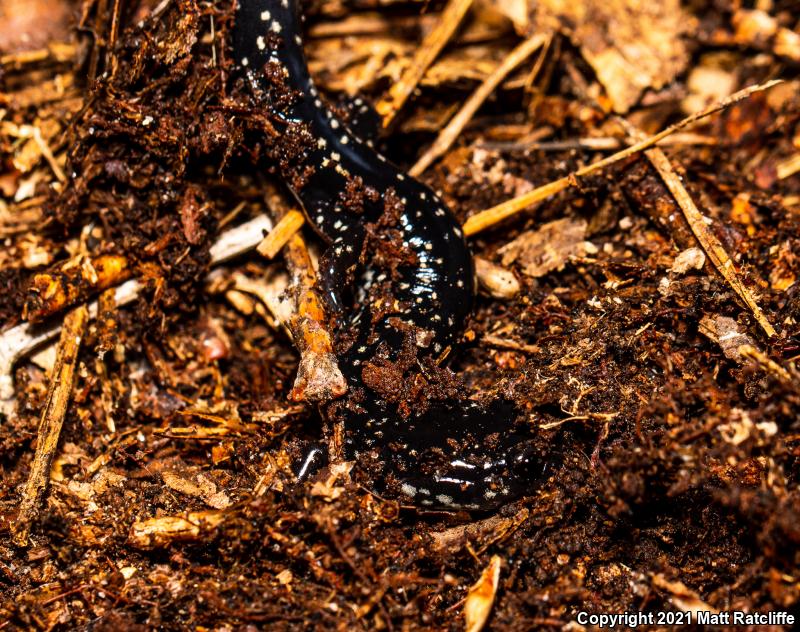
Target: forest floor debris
{"x": 160, "y": 439}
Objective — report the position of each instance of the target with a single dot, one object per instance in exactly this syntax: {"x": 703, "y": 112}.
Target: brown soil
{"x": 673, "y": 457}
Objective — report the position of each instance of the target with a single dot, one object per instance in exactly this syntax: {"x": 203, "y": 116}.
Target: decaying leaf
{"x": 201, "y": 487}
{"x": 632, "y": 45}
{"x": 480, "y": 599}
{"x": 741, "y": 427}
{"x": 784, "y": 272}
{"x": 547, "y": 248}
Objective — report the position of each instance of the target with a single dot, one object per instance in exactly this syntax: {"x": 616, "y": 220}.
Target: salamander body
{"x": 455, "y": 454}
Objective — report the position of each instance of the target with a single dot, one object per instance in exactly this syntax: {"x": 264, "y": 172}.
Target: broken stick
{"x": 58, "y": 396}
{"x": 697, "y": 222}
{"x": 456, "y": 125}
{"x": 318, "y": 376}
{"x": 427, "y": 52}
{"x": 490, "y": 217}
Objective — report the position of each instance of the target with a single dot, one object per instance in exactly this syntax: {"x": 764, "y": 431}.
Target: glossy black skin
{"x": 491, "y": 463}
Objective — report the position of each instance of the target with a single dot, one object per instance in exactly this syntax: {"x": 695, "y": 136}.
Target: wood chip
{"x": 277, "y": 238}
{"x": 788, "y": 167}
{"x": 499, "y": 282}
{"x": 162, "y": 531}
{"x": 689, "y": 259}
{"x": 761, "y": 29}
{"x": 724, "y": 330}
{"x": 681, "y": 596}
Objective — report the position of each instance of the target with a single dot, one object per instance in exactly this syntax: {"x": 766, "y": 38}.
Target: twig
{"x": 47, "y": 153}
{"x": 490, "y": 217}
{"x": 278, "y": 237}
{"x": 451, "y": 132}
{"x": 428, "y": 50}
{"x": 606, "y": 417}
{"x": 111, "y": 58}
{"x": 512, "y": 345}
{"x": 74, "y": 282}
{"x": 58, "y": 396}
{"x": 318, "y": 375}
{"x": 56, "y": 51}
{"x": 767, "y": 363}
{"x": 788, "y": 167}
{"x": 697, "y": 222}
{"x": 591, "y": 143}
{"x": 34, "y": 133}
{"x": 98, "y": 43}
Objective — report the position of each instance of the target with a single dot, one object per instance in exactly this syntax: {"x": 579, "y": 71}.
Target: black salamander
{"x": 456, "y": 454}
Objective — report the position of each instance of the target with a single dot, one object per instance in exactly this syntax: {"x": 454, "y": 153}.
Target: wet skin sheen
{"x": 457, "y": 454}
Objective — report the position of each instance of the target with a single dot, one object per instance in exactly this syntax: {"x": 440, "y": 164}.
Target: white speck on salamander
{"x": 261, "y": 43}
{"x": 265, "y": 15}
